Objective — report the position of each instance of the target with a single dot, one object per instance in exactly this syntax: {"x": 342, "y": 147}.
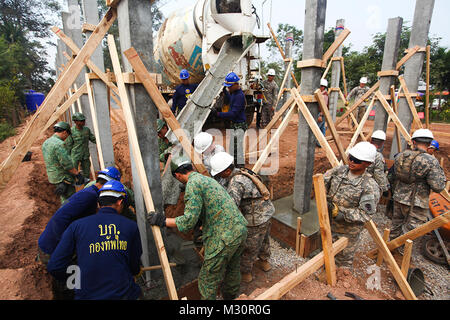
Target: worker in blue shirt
{"x": 236, "y": 115}
{"x": 108, "y": 249}
{"x": 182, "y": 92}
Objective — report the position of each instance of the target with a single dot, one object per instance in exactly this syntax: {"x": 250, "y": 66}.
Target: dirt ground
{"x": 29, "y": 202}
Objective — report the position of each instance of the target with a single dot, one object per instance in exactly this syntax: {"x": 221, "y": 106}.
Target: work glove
{"x": 80, "y": 179}
{"x": 334, "y": 211}
{"x": 156, "y": 219}
{"x": 61, "y": 188}
{"x": 347, "y": 103}
{"x": 198, "y": 234}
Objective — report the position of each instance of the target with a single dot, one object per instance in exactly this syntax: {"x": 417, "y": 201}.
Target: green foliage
{"x": 6, "y": 130}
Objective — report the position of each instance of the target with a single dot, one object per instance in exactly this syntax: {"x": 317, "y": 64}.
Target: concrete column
{"x": 336, "y": 71}
{"x": 90, "y": 11}
{"x": 413, "y": 67}
{"x": 135, "y": 30}
{"x": 390, "y": 58}
{"x": 72, "y": 28}
{"x": 315, "y": 12}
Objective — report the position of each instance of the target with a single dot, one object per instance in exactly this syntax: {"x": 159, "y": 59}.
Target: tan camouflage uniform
{"x": 356, "y": 198}
{"x": 357, "y": 93}
{"x": 378, "y": 170}
{"x": 429, "y": 176}
{"x": 257, "y": 211}
{"x": 270, "y": 94}
{"x": 223, "y": 234}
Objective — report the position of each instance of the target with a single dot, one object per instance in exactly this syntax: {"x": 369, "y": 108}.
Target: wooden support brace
{"x": 411, "y": 105}
{"x": 418, "y": 232}
{"x": 385, "y": 239}
{"x": 170, "y": 284}
{"x": 388, "y": 73}
{"x": 318, "y": 63}
{"x": 336, "y": 44}
{"x": 325, "y": 229}
{"x": 360, "y": 126}
{"x": 151, "y": 88}
{"x": 87, "y": 27}
{"x": 290, "y": 281}
{"x": 406, "y": 257}
{"x": 394, "y": 107}
{"x": 392, "y": 264}
{"x": 297, "y": 235}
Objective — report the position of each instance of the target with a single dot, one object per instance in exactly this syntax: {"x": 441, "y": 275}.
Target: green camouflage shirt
{"x": 429, "y": 176}
{"x": 164, "y": 148}
{"x": 378, "y": 171}
{"x": 78, "y": 143}
{"x": 223, "y": 223}
{"x": 356, "y": 198}
{"x": 57, "y": 160}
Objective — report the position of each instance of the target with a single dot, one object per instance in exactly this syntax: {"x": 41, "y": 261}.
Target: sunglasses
{"x": 354, "y": 160}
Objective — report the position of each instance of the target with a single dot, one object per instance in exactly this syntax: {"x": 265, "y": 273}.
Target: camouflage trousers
{"x": 266, "y": 115}
{"x": 237, "y": 147}
{"x": 84, "y": 165}
{"x": 404, "y": 221}
{"x": 352, "y": 232}
{"x": 359, "y": 113}
{"x": 256, "y": 246}
{"x": 223, "y": 270}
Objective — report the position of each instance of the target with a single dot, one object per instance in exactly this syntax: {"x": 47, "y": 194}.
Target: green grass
{"x": 6, "y": 130}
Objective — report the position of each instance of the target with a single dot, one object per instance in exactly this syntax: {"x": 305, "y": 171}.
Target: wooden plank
{"x": 324, "y": 75}
{"x": 152, "y": 89}
{"x": 344, "y": 78}
{"x": 325, "y": 229}
{"x": 410, "y": 102}
{"x": 408, "y": 56}
{"x": 315, "y": 128}
{"x": 263, "y": 157}
{"x": 330, "y": 122}
{"x": 290, "y": 281}
{"x": 309, "y": 63}
{"x": 132, "y": 134}
{"x": 394, "y": 107}
{"x": 281, "y": 90}
{"x": 172, "y": 264}
{"x": 95, "y": 122}
{"x": 297, "y": 235}
{"x": 418, "y": 232}
{"x": 406, "y": 257}
{"x": 87, "y": 27}
{"x": 385, "y": 239}
{"x": 360, "y": 126}
{"x": 388, "y": 73}
{"x": 301, "y": 250}
{"x": 54, "y": 98}
{"x": 392, "y": 264}
{"x": 336, "y": 44}
{"x": 394, "y": 117}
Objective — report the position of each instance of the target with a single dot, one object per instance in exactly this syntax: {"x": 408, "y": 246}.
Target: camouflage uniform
{"x": 429, "y": 176}
{"x": 357, "y": 93}
{"x": 58, "y": 163}
{"x": 378, "y": 171}
{"x": 257, "y": 211}
{"x": 224, "y": 232}
{"x": 270, "y": 93}
{"x": 356, "y": 198}
{"x": 164, "y": 148}
{"x": 78, "y": 146}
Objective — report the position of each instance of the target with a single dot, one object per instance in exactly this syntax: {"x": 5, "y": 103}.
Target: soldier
{"x": 60, "y": 169}
{"x": 414, "y": 175}
{"x": 378, "y": 168}
{"x": 352, "y": 196}
{"x": 182, "y": 92}
{"x": 253, "y": 199}
{"x": 78, "y": 144}
{"x": 223, "y": 226}
{"x": 357, "y": 93}
{"x": 203, "y": 144}
{"x": 236, "y": 114}
{"x": 270, "y": 98}
{"x": 108, "y": 249}
{"x": 165, "y": 145}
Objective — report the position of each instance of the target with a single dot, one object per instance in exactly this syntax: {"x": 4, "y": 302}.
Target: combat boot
{"x": 264, "y": 265}
{"x": 246, "y": 277}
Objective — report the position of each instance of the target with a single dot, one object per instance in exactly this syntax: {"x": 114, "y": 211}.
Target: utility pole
{"x": 413, "y": 67}
{"x": 390, "y": 58}
{"x": 315, "y": 12}
{"x": 336, "y": 71}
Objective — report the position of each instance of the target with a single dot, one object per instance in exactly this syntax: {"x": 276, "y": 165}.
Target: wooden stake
{"x": 325, "y": 229}
{"x": 301, "y": 251}
{"x": 297, "y": 236}
{"x": 385, "y": 239}
{"x": 141, "y": 169}
{"x": 392, "y": 264}
{"x": 406, "y": 257}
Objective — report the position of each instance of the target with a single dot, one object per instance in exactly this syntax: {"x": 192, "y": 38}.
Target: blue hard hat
{"x": 110, "y": 173}
{"x": 113, "y": 188}
{"x": 434, "y": 144}
{"x": 231, "y": 79}
{"x": 184, "y": 74}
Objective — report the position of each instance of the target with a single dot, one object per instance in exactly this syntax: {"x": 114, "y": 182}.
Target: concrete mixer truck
{"x": 196, "y": 39}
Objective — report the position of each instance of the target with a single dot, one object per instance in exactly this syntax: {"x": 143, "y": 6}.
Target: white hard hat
{"x": 422, "y": 133}
{"x": 363, "y": 80}
{"x": 324, "y": 82}
{"x": 364, "y": 151}
{"x": 271, "y": 72}
{"x": 379, "y": 134}
{"x": 202, "y": 141}
{"x": 220, "y": 162}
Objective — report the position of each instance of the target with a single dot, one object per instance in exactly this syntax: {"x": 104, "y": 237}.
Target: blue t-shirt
{"x": 237, "y": 107}
{"x": 79, "y": 205}
{"x": 108, "y": 249}
{"x": 181, "y": 95}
